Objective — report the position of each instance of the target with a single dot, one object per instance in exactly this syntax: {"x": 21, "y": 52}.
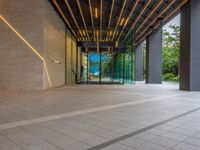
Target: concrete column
{"x": 154, "y": 57}
{"x": 139, "y": 63}
{"x": 190, "y": 46}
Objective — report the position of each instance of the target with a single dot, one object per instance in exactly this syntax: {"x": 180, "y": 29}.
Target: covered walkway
{"x": 110, "y": 117}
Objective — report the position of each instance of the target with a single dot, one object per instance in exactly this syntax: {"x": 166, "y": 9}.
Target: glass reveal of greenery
{"x": 171, "y": 46}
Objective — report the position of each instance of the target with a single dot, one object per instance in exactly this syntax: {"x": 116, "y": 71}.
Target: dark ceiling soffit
{"x": 101, "y": 44}
{"x": 163, "y": 23}
{"x": 58, "y": 13}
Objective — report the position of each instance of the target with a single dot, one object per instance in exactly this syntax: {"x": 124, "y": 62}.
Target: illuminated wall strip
{"x": 73, "y": 17}
{"x": 22, "y": 38}
{"x": 90, "y": 6}
{"x": 124, "y": 3}
{"x": 81, "y": 12}
{"x": 47, "y": 73}
{"x": 149, "y": 15}
{"x": 155, "y": 19}
{"x": 33, "y": 49}
{"x": 66, "y": 21}
{"x": 169, "y": 15}
{"x": 138, "y": 17}
{"x": 131, "y": 13}
{"x": 110, "y": 17}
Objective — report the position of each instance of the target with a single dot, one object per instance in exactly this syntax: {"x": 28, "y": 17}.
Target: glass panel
{"x": 93, "y": 67}
{"x": 129, "y": 66}
{"x": 106, "y": 67}
{"x": 116, "y": 66}
{"x": 84, "y": 67}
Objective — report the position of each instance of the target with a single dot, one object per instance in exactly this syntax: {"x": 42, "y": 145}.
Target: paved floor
{"x": 93, "y": 117}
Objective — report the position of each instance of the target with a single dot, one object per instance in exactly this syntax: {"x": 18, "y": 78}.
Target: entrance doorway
{"x": 106, "y": 66}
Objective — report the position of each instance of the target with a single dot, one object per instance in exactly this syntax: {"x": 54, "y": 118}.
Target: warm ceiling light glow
{"x": 97, "y": 32}
{"x": 97, "y": 46}
{"x": 27, "y": 43}
{"x": 122, "y": 22}
{"x": 84, "y": 23}
{"x": 61, "y": 12}
{"x": 96, "y": 13}
{"x": 22, "y": 38}
{"x": 111, "y": 32}
{"x": 91, "y": 15}
{"x": 84, "y": 33}
{"x": 108, "y": 49}
{"x": 116, "y": 44}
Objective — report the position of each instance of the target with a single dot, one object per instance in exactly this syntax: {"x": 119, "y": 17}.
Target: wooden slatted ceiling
{"x": 113, "y": 20}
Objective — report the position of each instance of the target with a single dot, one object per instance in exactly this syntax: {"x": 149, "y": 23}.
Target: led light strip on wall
{"x": 27, "y": 43}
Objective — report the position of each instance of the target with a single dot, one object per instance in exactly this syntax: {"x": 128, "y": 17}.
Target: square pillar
{"x": 139, "y": 66}
{"x": 190, "y": 46}
{"x": 154, "y": 57}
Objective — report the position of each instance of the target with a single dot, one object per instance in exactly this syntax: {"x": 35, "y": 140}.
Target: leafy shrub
{"x": 174, "y": 78}
{"x": 168, "y": 76}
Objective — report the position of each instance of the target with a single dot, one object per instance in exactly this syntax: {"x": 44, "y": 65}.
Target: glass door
{"x": 106, "y": 67}
{"x": 93, "y": 67}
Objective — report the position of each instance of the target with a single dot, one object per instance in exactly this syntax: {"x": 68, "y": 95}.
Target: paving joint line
{"x": 80, "y": 112}
{"x": 134, "y": 133}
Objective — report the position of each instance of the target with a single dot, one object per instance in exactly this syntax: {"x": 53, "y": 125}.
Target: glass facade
{"x": 114, "y": 66}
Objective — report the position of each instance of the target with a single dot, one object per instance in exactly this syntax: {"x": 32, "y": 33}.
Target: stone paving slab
{"x": 86, "y": 117}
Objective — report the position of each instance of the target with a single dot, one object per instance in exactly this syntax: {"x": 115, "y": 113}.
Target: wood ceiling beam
{"x": 80, "y": 9}
{"x": 157, "y": 17}
{"x": 168, "y": 16}
{"x": 149, "y": 15}
{"x": 110, "y": 17}
{"x": 64, "y": 17}
{"x": 91, "y": 15}
{"x": 73, "y": 17}
{"x": 127, "y": 20}
{"x": 138, "y": 17}
{"x": 101, "y": 9}
{"x": 124, "y": 3}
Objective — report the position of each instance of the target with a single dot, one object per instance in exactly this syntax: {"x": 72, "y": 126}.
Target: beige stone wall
{"x": 70, "y": 58}
{"x": 73, "y": 60}
{"x": 20, "y": 68}
{"x": 79, "y": 65}
{"x": 53, "y": 47}
{"x": 38, "y": 23}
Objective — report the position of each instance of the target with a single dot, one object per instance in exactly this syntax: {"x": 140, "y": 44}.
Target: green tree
{"x": 171, "y": 46}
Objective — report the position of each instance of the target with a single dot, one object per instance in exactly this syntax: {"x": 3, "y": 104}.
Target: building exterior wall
{"x": 73, "y": 60}
{"x": 39, "y": 24}
{"x": 53, "y": 47}
{"x": 20, "y": 67}
{"x": 68, "y": 58}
